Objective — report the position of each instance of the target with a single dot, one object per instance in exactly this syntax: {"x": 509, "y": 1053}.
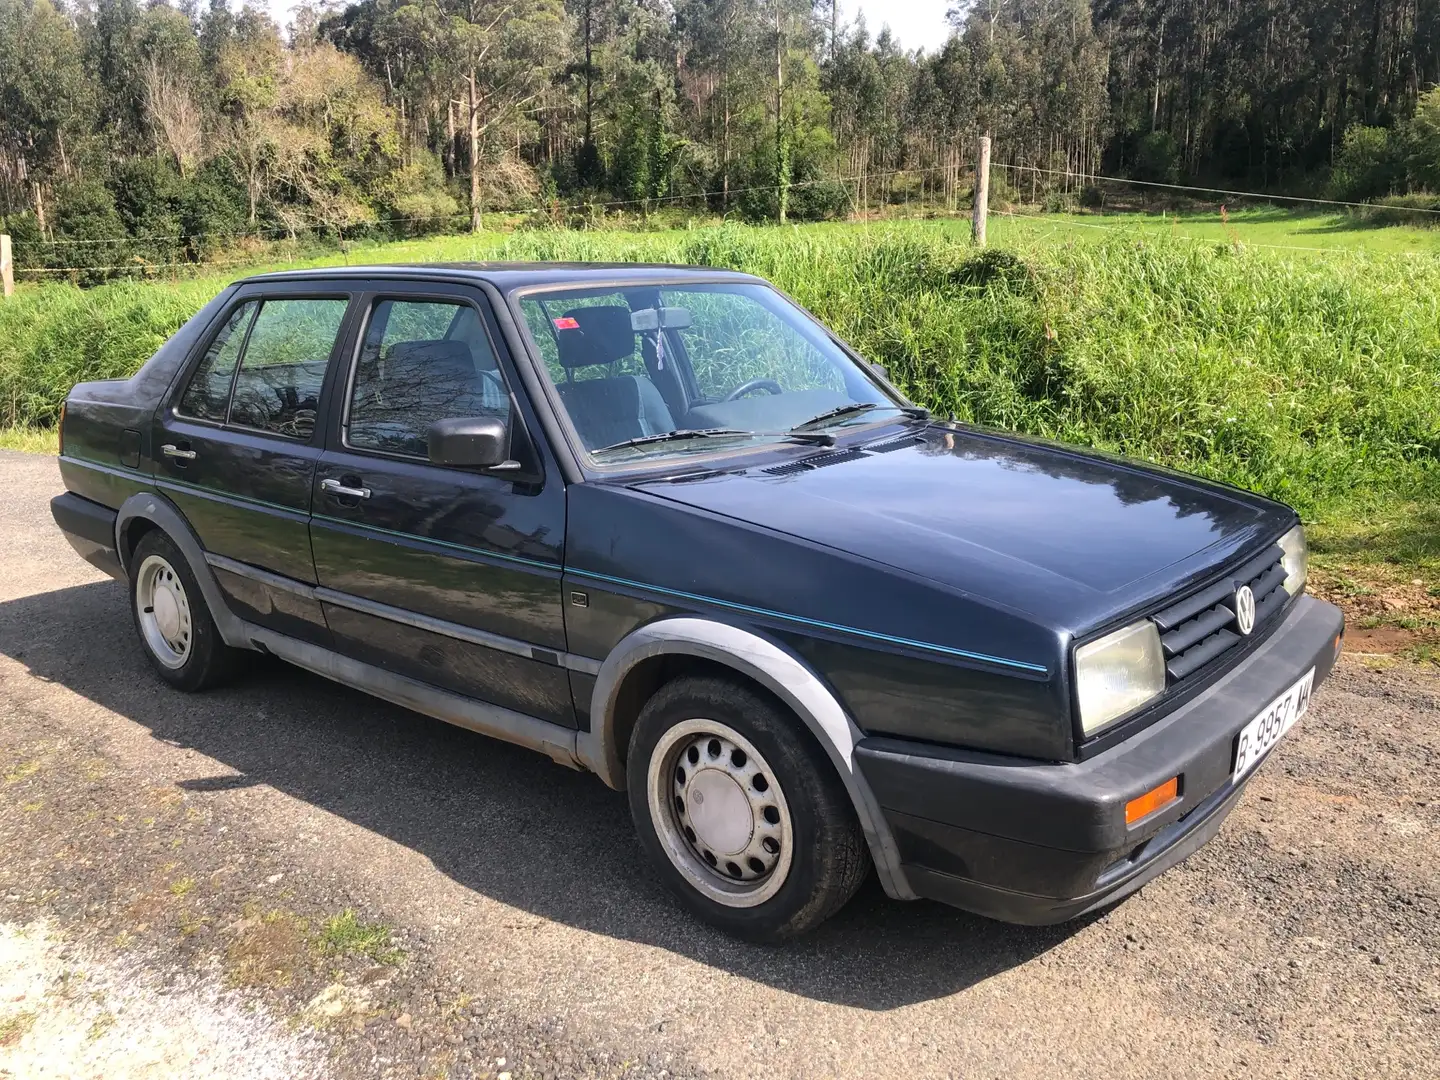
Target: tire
{"x": 172, "y": 620}
{"x": 765, "y": 859}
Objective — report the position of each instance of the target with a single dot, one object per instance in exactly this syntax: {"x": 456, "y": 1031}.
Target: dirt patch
{"x": 70, "y": 1011}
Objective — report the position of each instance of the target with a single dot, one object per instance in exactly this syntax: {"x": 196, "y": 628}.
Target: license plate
{"x": 1261, "y": 734}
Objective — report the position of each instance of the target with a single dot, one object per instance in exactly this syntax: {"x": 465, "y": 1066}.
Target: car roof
{"x": 508, "y": 276}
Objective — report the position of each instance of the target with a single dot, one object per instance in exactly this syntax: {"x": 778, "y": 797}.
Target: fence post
{"x": 7, "y": 266}
{"x": 982, "y": 193}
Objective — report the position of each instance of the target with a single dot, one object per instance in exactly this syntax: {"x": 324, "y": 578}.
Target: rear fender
{"x": 160, "y": 511}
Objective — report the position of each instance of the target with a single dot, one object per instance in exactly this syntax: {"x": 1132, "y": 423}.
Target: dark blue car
{"x": 658, "y": 523}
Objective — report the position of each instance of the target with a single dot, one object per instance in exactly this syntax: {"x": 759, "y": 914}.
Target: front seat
{"x": 614, "y": 408}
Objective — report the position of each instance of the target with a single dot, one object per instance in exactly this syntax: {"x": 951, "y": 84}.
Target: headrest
{"x": 437, "y": 361}
{"x": 601, "y": 335}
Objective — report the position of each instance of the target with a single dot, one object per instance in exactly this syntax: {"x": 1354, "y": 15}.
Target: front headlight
{"x": 1296, "y": 559}
{"x": 1118, "y": 673}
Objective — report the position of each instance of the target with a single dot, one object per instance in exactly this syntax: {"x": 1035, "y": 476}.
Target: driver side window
{"x": 733, "y": 339}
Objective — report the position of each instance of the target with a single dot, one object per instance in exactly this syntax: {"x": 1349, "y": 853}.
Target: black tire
{"x": 207, "y": 661}
{"x": 829, "y": 859}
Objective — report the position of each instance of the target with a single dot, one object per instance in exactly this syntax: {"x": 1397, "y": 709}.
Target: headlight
{"x": 1296, "y": 559}
{"x": 1118, "y": 673}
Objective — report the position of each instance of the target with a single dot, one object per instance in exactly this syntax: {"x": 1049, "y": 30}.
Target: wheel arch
{"x": 148, "y": 510}
{"x": 657, "y": 652}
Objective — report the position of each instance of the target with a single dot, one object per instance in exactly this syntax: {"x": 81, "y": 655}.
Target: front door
{"x": 238, "y": 446}
{"x": 446, "y": 575}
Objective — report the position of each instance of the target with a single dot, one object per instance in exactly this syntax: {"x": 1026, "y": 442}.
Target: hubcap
{"x": 720, "y": 813}
{"x": 163, "y": 611}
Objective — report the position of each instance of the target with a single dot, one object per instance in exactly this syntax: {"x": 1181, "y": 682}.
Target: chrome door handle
{"x": 171, "y": 450}
{"x": 335, "y": 487}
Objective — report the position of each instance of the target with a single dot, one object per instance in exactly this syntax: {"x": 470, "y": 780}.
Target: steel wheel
{"x": 719, "y": 813}
{"x": 163, "y": 611}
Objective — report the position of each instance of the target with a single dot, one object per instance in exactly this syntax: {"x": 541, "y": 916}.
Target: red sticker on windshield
{"x": 567, "y": 323}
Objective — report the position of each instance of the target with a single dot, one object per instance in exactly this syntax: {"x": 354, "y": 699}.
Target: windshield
{"x": 652, "y": 371}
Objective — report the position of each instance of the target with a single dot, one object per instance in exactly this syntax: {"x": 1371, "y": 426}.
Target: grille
{"x": 895, "y": 444}
{"x": 1203, "y": 627}
{"x": 815, "y": 461}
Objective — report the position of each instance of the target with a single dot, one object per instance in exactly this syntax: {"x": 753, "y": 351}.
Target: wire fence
{"x": 934, "y": 201}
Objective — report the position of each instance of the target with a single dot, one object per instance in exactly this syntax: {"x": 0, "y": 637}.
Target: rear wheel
{"x": 740, "y": 811}
{"x": 172, "y": 621}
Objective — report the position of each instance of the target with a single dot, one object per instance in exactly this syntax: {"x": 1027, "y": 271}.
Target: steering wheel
{"x": 755, "y": 384}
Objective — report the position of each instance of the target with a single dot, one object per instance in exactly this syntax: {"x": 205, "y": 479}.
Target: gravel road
{"x": 383, "y": 895}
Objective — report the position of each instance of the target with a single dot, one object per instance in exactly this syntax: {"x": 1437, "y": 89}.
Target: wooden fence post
{"x": 982, "y": 193}
{"x": 7, "y": 266}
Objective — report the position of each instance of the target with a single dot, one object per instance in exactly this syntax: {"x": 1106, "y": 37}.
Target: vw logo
{"x": 1244, "y": 609}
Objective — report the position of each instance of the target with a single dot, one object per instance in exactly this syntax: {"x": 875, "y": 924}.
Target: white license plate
{"x": 1261, "y": 734}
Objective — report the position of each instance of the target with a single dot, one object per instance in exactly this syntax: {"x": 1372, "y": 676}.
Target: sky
{"x": 918, "y": 24}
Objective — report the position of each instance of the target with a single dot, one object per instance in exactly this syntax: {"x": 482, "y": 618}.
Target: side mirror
{"x": 879, "y": 369}
{"x": 477, "y": 441}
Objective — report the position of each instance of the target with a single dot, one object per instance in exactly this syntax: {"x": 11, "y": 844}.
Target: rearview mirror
{"x": 477, "y": 441}
{"x": 670, "y": 318}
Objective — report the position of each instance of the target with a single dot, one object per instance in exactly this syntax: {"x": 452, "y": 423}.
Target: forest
{"x": 138, "y": 133}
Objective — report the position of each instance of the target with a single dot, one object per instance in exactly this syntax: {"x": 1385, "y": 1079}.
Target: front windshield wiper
{"x": 673, "y": 436}
{"x": 854, "y": 408}
{"x": 818, "y": 437}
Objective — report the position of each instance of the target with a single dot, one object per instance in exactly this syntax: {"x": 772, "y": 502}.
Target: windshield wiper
{"x": 854, "y": 408}
{"x": 820, "y": 438}
{"x": 674, "y": 436}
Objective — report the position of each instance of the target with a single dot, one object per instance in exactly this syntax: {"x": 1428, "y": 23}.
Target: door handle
{"x": 335, "y": 487}
{"x": 170, "y": 450}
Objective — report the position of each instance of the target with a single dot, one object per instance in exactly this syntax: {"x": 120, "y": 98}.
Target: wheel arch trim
{"x": 772, "y": 666}
{"x": 155, "y": 508}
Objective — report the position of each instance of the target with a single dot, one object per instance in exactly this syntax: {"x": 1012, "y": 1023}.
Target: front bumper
{"x": 1033, "y": 842}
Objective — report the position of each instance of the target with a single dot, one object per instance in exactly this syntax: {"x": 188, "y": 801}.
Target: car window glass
{"x": 278, "y": 386}
{"x": 548, "y": 316}
{"x": 208, "y": 395}
{"x": 421, "y": 361}
{"x": 733, "y": 339}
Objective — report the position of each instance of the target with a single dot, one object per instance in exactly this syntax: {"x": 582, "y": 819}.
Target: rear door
{"x": 239, "y": 442}
{"x": 446, "y": 575}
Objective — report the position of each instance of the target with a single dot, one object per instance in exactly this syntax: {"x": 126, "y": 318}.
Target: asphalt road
{"x": 1304, "y": 941}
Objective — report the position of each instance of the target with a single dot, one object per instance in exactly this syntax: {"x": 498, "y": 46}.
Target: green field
{"x": 1313, "y": 377}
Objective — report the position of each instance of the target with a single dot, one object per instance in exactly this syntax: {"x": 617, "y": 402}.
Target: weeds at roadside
{"x": 345, "y": 934}
{"x": 14, "y": 1026}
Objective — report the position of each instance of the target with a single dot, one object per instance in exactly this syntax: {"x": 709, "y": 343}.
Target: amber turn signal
{"x": 1152, "y": 800}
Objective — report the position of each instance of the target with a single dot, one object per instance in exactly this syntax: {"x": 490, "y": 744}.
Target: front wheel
{"x": 740, "y": 811}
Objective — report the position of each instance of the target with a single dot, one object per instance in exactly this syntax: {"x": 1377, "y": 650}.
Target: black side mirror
{"x": 481, "y": 442}
{"x": 879, "y": 369}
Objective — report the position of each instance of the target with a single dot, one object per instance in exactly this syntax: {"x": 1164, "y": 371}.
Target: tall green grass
{"x": 1307, "y": 378}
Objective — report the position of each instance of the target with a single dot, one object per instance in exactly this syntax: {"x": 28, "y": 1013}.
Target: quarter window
{"x": 283, "y": 368}
{"x": 208, "y": 395}
{"x": 421, "y": 361}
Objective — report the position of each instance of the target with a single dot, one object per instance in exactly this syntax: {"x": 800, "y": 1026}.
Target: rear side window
{"x": 422, "y": 361}
{"x": 208, "y": 395}
{"x": 283, "y": 367}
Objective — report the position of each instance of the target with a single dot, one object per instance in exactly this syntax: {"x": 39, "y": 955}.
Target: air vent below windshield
{"x": 818, "y": 461}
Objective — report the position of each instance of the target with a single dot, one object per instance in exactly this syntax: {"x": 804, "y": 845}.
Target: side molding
{"x": 773, "y": 667}
{"x": 556, "y": 742}
{"x": 154, "y": 507}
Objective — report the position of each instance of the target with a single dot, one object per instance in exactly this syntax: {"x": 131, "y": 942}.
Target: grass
{"x": 1294, "y": 354}
{"x": 346, "y": 935}
{"x": 1256, "y": 228}
{"x": 30, "y": 440}
{"x": 14, "y": 1026}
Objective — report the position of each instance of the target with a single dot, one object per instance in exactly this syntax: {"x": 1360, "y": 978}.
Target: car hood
{"x": 1029, "y": 526}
